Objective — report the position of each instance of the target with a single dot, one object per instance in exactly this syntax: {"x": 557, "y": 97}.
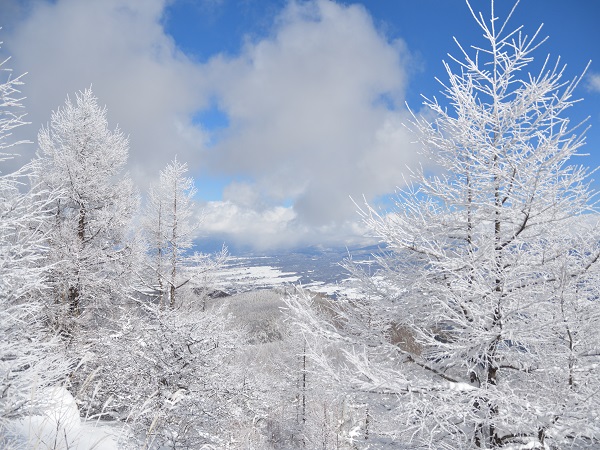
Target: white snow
{"x": 59, "y": 427}
{"x": 248, "y": 278}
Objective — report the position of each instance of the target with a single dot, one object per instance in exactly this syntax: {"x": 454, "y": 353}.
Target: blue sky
{"x": 281, "y": 109}
{"x": 205, "y": 28}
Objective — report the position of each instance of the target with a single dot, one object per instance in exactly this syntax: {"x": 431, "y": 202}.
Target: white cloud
{"x": 308, "y": 111}
{"x": 273, "y": 228}
{"x": 243, "y": 194}
{"x": 307, "y": 106}
{"x": 593, "y": 82}
{"x": 120, "y": 48}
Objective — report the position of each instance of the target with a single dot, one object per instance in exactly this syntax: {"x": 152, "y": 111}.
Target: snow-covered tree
{"x": 83, "y": 159}
{"x": 27, "y": 359}
{"x": 172, "y": 374}
{"x": 481, "y": 321}
{"x": 285, "y": 396}
{"x": 170, "y": 224}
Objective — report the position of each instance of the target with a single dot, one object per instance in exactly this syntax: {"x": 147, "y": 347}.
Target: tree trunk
{"x": 75, "y": 291}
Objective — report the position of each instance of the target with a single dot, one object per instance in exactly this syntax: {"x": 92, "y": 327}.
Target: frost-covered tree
{"x": 27, "y": 359}
{"x": 172, "y": 374}
{"x": 170, "y": 224}
{"x": 481, "y": 322}
{"x": 83, "y": 159}
{"x": 284, "y": 396}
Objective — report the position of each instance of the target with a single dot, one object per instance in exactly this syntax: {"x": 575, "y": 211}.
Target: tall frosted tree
{"x": 482, "y": 319}
{"x": 84, "y": 160}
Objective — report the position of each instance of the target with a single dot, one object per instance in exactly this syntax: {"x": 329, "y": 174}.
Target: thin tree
{"x": 170, "y": 224}
{"x": 483, "y": 315}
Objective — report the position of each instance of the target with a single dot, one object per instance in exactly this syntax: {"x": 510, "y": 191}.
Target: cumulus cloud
{"x": 245, "y": 218}
{"x": 273, "y": 228}
{"x": 312, "y": 111}
{"x": 120, "y": 49}
{"x": 312, "y": 108}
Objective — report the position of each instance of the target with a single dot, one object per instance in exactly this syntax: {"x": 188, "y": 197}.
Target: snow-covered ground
{"x": 58, "y": 426}
{"x": 345, "y": 288}
{"x": 243, "y": 274}
{"x": 237, "y": 277}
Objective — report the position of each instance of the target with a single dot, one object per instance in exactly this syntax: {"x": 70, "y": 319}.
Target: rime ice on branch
{"x": 483, "y": 317}
{"x": 83, "y": 159}
{"x": 29, "y": 360}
